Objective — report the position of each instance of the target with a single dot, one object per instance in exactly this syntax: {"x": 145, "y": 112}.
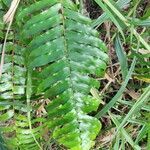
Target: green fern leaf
{"x": 63, "y": 53}
{"x": 14, "y": 124}
{"x": 12, "y": 90}
{"x": 24, "y": 135}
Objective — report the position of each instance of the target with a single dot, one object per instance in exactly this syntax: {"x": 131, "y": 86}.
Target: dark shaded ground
{"x": 93, "y": 9}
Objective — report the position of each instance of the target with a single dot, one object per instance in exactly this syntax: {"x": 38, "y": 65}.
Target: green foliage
{"x": 12, "y": 101}
{"x": 142, "y": 72}
{"x": 121, "y": 56}
{"x": 57, "y": 57}
{"x": 53, "y": 58}
{"x": 134, "y": 43}
{"x": 2, "y": 143}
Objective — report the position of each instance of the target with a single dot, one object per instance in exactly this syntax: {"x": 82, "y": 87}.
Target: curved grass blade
{"x": 119, "y": 93}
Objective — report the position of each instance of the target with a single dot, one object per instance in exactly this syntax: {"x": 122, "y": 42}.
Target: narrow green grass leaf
{"x": 127, "y": 23}
{"x": 95, "y": 94}
{"x": 123, "y": 3}
{"x": 129, "y": 103}
{"x": 143, "y": 99}
{"x": 147, "y": 13}
{"x": 110, "y": 15}
{"x": 138, "y": 22}
{"x": 124, "y": 133}
{"x": 117, "y": 142}
{"x": 121, "y": 56}
{"x": 142, "y": 133}
{"x": 119, "y": 93}
{"x": 137, "y": 121}
{"x": 116, "y": 11}
{"x": 101, "y": 19}
{"x": 122, "y": 147}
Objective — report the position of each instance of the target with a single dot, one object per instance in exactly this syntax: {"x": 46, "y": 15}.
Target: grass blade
{"x": 119, "y": 93}
{"x": 144, "y": 98}
{"x": 101, "y": 19}
{"x": 121, "y": 56}
{"x": 127, "y": 23}
{"x": 130, "y": 103}
{"x": 124, "y": 133}
{"x": 110, "y": 15}
{"x": 142, "y": 133}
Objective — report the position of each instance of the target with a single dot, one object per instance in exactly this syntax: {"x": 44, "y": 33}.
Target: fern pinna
{"x": 63, "y": 55}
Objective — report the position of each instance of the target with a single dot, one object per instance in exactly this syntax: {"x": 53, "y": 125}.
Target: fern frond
{"x": 14, "y": 127}
{"x": 12, "y": 89}
{"x": 24, "y": 136}
{"x": 64, "y": 52}
{"x": 2, "y": 143}
{"x": 12, "y": 82}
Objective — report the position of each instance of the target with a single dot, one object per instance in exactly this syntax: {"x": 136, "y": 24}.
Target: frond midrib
{"x": 66, "y": 52}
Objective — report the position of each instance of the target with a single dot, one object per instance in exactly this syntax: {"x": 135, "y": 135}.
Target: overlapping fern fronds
{"x": 57, "y": 56}
{"x": 63, "y": 53}
{"x": 12, "y": 86}
{"x": 14, "y": 124}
